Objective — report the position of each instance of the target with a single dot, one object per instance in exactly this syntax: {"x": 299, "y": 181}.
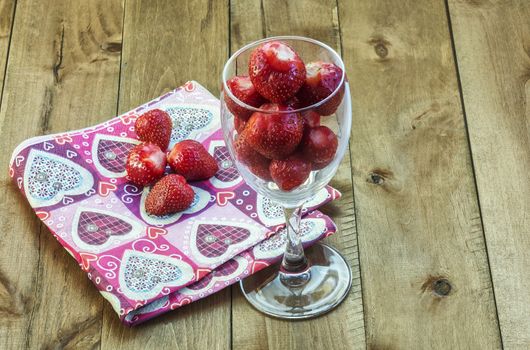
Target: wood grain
{"x": 426, "y": 283}
{"x": 492, "y": 40}
{"x": 166, "y": 44}
{"x": 58, "y": 66}
{"x": 343, "y": 328}
{"x": 7, "y": 12}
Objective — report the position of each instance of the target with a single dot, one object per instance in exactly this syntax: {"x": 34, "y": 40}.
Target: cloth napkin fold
{"x": 146, "y": 265}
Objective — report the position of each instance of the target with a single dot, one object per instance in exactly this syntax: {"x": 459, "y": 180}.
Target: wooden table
{"x": 435, "y": 215}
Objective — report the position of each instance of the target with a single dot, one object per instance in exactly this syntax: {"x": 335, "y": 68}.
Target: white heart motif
{"x": 49, "y": 178}
{"x": 71, "y": 154}
{"x": 143, "y": 275}
{"x": 48, "y": 146}
{"x": 190, "y": 120}
{"x": 271, "y": 213}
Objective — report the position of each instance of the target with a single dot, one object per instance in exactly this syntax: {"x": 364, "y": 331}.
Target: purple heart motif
{"x": 144, "y": 275}
{"x": 95, "y": 229}
{"x": 190, "y": 120}
{"x": 49, "y": 177}
{"x": 109, "y": 154}
{"x": 214, "y": 240}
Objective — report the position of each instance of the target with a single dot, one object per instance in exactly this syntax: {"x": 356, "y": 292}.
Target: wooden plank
{"x": 166, "y": 44}
{"x": 7, "y": 12}
{"x": 61, "y": 75}
{"x": 425, "y": 274}
{"x": 492, "y": 42}
{"x": 343, "y": 328}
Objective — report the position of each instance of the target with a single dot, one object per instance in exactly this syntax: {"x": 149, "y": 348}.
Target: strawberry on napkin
{"x": 143, "y": 264}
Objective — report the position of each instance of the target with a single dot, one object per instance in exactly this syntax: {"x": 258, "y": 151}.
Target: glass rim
{"x": 232, "y": 58}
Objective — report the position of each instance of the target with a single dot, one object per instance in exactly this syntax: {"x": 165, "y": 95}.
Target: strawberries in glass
{"x": 278, "y": 143}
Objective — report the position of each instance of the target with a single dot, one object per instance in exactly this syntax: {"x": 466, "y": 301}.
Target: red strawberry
{"x": 154, "y": 126}
{"x": 169, "y": 195}
{"x": 239, "y": 124}
{"x": 246, "y": 154}
{"x": 190, "y": 159}
{"x": 291, "y": 172}
{"x": 274, "y": 135}
{"x": 242, "y": 88}
{"x": 276, "y": 71}
{"x": 146, "y": 163}
{"x": 319, "y": 145}
{"x": 322, "y": 78}
{"x": 311, "y": 118}
{"x": 261, "y": 170}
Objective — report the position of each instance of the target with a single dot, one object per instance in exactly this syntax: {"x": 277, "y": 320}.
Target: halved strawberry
{"x": 154, "y": 126}
{"x": 322, "y": 78}
{"x": 291, "y": 172}
{"x": 242, "y": 88}
{"x": 169, "y": 195}
{"x": 145, "y": 164}
{"x": 190, "y": 159}
{"x": 274, "y": 135}
{"x": 311, "y": 118}
{"x": 318, "y": 146}
{"x": 276, "y": 71}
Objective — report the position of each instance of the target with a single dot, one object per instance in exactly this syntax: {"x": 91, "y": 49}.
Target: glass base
{"x": 328, "y": 284}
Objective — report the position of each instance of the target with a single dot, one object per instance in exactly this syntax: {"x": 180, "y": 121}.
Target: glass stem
{"x": 294, "y": 271}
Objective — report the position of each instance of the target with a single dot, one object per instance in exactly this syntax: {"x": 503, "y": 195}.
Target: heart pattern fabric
{"x": 110, "y": 154}
{"x": 147, "y": 265}
{"x": 48, "y": 178}
{"x": 144, "y": 275}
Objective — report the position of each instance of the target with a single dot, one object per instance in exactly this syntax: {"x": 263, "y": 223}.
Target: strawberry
{"x": 274, "y": 135}
{"x": 311, "y": 118}
{"x": 154, "y": 126}
{"x": 146, "y": 163}
{"x": 169, "y": 195}
{"x": 246, "y": 154}
{"x": 319, "y": 145}
{"x": 190, "y": 159}
{"x": 276, "y": 71}
{"x": 239, "y": 124}
{"x": 291, "y": 172}
{"x": 322, "y": 79}
{"x": 242, "y": 88}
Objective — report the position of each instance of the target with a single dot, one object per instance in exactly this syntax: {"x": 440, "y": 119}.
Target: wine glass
{"x": 305, "y": 285}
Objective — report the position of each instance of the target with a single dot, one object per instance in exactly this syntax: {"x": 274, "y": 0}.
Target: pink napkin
{"x": 146, "y": 265}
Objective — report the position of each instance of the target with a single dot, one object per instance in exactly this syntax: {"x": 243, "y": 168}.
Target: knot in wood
{"x": 376, "y": 179}
{"x": 441, "y": 287}
{"x": 381, "y": 50}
